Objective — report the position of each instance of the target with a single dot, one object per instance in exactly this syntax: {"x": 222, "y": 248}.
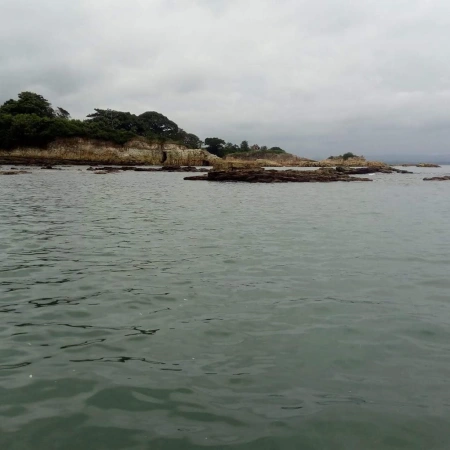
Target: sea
{"x": 142, "y": 311}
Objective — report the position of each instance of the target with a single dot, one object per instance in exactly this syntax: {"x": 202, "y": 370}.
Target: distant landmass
{"x": 415, "y": 159}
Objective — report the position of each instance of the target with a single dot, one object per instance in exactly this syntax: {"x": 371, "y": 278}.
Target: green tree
{"x": 188, "y": 139}
{"x": 244, "y": 146}
{"x": 28, "y": 103}
{"x": 115, "y": 120}
{"x": 230, "y": 148}
{"x": 154, "y": 123}
{"x": 30, "y": 130}
{"x": 348, "y": 155}
{"x": 61, "y": 113}
{"x": 215, "y": 146}
{"x": 6, "y": 138}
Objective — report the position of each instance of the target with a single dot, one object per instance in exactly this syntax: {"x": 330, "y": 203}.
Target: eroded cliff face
{"x": 133, "y": 152}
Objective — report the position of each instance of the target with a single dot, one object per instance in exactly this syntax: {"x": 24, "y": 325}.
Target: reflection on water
{"x": 140, "y": 311}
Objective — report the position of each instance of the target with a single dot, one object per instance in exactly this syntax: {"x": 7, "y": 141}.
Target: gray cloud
{"x": 317, "y": 78}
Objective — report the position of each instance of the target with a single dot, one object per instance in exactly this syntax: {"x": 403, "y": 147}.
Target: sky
{"x": 317, "y": 78}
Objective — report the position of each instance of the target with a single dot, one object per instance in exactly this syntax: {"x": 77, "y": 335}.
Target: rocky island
{"x": 34, "y": 133}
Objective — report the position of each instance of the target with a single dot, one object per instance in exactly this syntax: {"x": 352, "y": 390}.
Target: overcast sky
{"x": 314, "y": 77}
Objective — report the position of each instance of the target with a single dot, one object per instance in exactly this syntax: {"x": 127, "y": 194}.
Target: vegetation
{"x": 218, "y": 147}
{"x": 346, "y": 156}
{"x": 31, "y": 121}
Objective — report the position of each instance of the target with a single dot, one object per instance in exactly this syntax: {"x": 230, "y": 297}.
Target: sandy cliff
{"x": 92, "y": 151}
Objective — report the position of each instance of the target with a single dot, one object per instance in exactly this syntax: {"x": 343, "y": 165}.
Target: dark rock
{"x": 13, "y": 172}
{"x": 147, "y": 169}
{"x": 104, "y": 172}
{"x": 276, "y": 176}
{"x": 444, "y": 178}
{"x": 179, "y": 169}
{"x": 367, "y": 170}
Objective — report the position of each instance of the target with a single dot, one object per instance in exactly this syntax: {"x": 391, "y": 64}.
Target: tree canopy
{"x": 30, "y": 120}
{"x": 215, "y": 146}
{"x": 28, "y": 103}
{"x": 346, "y": 156}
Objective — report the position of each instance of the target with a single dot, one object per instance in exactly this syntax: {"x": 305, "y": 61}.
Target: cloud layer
{"x": 316, "y": 78}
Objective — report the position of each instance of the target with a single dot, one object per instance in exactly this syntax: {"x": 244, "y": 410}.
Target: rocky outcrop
{"x": 276, "y": 176}
{"x": 13, "y": 172}
{"x": 444, "y": 178}
{"x": 367, "y": 170}
{"x": 113, "y": 169}
{"x": 351, "y": 162}
{"x": 268, "y": 159}
{"x": 288, "y": 160}
{"x": 79, "y": 151}
{"x": 422, "y": 165}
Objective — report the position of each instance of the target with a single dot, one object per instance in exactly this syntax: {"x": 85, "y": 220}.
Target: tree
{"x": 348, "y": 155}
{"x": 115, "y": 120}
{"x": 189, "y": 140}
{"x": 31, "y": 121}
{"x": 264, "y": 148}
{"x": 244, "y": 146}
{"x": 230, "y": 148}
{"x": 61, "y": 113}
{"x": 154, "y": 123}
{"x": 215, "y": 146}
{"x": 30, "y": 129}
{"x": 28, "y": 103}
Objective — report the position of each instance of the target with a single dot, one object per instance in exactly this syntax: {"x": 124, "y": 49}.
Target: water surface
{"x": 141, "y": 311}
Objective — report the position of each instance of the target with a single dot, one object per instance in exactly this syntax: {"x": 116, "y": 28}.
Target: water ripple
{"x": 142, "y": 312}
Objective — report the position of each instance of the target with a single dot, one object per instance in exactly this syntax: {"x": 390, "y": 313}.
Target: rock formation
{"x": 115, "y": 169}
{"x": 13, "y": 172}
{"x": 276, "y": 176}
{"x": 87, "y": 151}
{"x": 444, "y": 178}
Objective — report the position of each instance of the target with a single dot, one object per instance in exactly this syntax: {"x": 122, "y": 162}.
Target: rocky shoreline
{"x": 243, "y": 173}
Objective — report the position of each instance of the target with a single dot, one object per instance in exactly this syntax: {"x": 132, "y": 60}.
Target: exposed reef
{"x": 276, "y": 176}
{"x": 112, "y": 169}
{"x": 13, "y": 172}
{"x": 421, "y": 165}
{"x": 444, "y": 178}
{"x": 367, "y": 170}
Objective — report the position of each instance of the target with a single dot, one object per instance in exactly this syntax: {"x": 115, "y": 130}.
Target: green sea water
{"x": 141, "y": 311}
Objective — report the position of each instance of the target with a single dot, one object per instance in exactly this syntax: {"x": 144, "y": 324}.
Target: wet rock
{"x": 367, "y": 170}
{"x": 444, "y": 178}
{"x": 13, "y": 172}
{"x": 105, "y": 172}
{"x": 179, "y": 169}
{"x": 276, "y": 176}
{"x": 147, "y": 169}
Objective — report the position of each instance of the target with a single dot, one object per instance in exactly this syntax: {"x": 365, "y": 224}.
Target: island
{"x": 34, "y": 133}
